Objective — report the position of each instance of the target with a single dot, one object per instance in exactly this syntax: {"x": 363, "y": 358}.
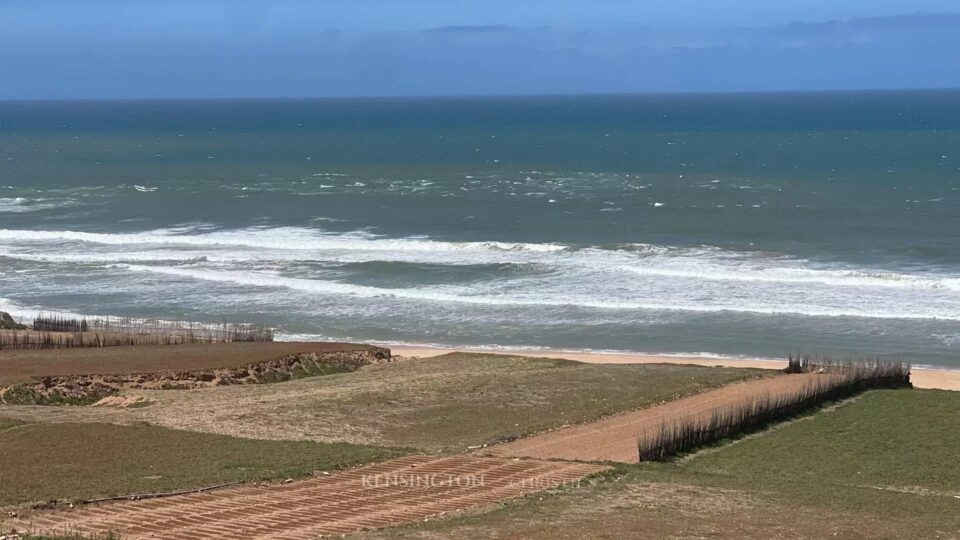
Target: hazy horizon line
{"x": 371, "y": 97}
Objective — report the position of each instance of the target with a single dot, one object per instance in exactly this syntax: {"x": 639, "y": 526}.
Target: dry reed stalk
{"x": 841, "y": 379}
{"x": 56, "y": 332}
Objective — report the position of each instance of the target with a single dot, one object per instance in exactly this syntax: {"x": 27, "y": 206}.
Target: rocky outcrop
{"x": 7, "y": 322}
{"x": 88, "y": 389}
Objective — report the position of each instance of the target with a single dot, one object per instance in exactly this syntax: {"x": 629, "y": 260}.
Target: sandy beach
{"x": 921, "y": 377}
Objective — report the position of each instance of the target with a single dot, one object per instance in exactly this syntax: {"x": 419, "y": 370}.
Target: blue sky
{"x": 56, "y": 49}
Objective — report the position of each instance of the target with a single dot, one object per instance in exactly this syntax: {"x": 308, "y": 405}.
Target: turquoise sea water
{"x": 754, "y": 224}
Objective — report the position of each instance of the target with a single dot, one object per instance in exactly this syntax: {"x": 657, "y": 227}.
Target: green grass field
{"x": 44, "y": 462}
{"x": 883, "y": 465}
{"x": 470, "y": 399}
{"x": 444, "y": 404}
{"x": 77, "y": 453}
{"x": 886, "y": 465}
{"x": 889, "y": 441}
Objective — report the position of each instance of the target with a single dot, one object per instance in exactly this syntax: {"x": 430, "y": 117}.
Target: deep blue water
{"x": 732, "y": 224}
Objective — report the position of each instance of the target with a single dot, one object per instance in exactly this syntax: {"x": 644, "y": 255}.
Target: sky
{"x": 88, "y": 49}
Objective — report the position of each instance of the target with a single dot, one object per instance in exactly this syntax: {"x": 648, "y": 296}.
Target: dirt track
{"x": 615, "y": 438}
{"x": 398, "y": 491}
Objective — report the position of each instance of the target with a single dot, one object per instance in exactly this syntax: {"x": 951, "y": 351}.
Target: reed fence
{"x": 57, "y": 332}
{"x": 840, "y": 379}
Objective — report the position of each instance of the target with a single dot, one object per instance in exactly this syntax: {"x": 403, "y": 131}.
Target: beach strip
{"x": 921, "y": 377}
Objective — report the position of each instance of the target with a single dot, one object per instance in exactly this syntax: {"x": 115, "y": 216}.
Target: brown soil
{"x": 28, "y": 365}
{"x": 310, "y": 360}
{"x": 398, "y": 491}
{"x": 615, "y": 438}
{"x": 122, "y": 402}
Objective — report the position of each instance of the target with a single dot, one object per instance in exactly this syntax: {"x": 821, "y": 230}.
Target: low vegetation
{"x": 41, "y": 463}
{"x": 838, "y": 379}
{"x": 884, "y": 465}
{"x": 461, "y": 399}
{"x": 444, "y": 404}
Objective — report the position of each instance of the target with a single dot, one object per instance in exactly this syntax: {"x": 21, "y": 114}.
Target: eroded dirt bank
{"x": 90, "y": 388}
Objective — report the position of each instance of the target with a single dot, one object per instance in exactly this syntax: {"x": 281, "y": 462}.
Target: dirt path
{"x": 398, "y": 491}
{"x": 615, "y": 438}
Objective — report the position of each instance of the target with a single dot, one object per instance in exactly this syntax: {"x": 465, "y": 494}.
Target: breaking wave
{"x": 701, "y": 279}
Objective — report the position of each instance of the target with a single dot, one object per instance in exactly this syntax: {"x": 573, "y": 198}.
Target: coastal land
{"x": 921, "y": 377}
{"x": 300, "y": 440}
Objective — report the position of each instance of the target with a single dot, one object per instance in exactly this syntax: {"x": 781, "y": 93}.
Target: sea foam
{"x": 701, "y": 279}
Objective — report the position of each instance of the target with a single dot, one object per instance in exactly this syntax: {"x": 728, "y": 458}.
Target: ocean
{"x": 728, "y": 224}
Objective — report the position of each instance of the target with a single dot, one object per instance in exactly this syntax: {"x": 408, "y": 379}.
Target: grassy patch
{"x": 307, "y": 368}
{"x": 316, "y": 368}
{"x": 882, "y": 466}
{"x": 442, "y": 404}
{"x": 459, "y": 400}
{"x": 886, "y": 442}
{"x": 44, "y": 462}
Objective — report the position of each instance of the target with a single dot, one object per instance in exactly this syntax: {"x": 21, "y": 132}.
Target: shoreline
{"x": 925, "y": 377}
